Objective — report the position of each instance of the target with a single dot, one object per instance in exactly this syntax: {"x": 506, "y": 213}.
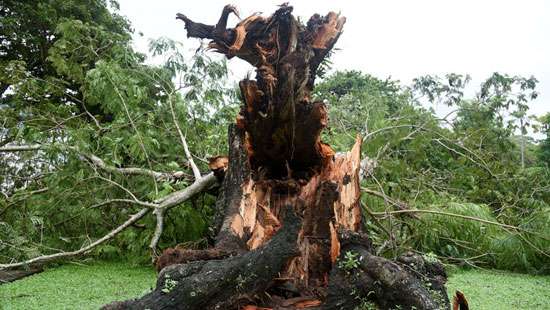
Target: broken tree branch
{"x": 47, "y": 258}
{"x": 97, "y": 162}
{"x": 166, "y": 203}
{"x": 20, "y": 148}
{"x": 159, "y": 213}
{"x": 159, "y": 176}
{"x": 131, "y": 201}
{"x": 180, "y": 196}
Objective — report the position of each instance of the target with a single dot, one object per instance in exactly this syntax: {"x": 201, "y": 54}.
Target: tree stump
{"x": 287, "y": 200}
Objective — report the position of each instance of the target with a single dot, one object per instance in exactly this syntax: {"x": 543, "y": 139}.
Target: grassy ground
{"x": 77, "y": 287}
{"x": 501, "y": 290}
{"x": 90, "y": 286}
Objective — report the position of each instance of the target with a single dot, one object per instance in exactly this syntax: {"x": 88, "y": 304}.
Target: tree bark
{"x": 410, "y": 282}
{"x": 221, "y": 284}
{"x": 278, "y": 165}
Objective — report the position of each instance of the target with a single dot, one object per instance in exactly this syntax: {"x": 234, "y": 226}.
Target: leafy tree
{"x": 45, "y": 40}
{"x": 85, "y": 113}
{"x": 544, "y": 148}
{"x": 510, "y": 93}
{"x": 444, "y": 164}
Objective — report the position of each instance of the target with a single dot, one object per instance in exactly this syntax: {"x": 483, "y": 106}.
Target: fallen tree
{"x": 161, "y": 207}
{"x": 289, "y": 208}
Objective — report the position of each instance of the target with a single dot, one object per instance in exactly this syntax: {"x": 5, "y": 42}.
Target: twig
{"x": 367, "y": 136}
{"x": 479, "y": 161}
{"x": 196, "y": 171}
{"x": 377, "y": 221}
{"x": 119, "y": 186}
{"x": 399, "y": 205}
{"x": 466, "y": 217}
{"x": 390, "y": 222}
{"x": 180, "y": 196}
{"x": 173, "y": 200}
{"x": 482, "y": 165}
{"x": 38, "y": 191}
{"x": 534, "y": 246}
{"x": 98, "y": 162}
{"x": 132, "y": 201}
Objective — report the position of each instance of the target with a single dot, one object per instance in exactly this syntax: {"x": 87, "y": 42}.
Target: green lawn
{"x": 90, "y": 286}
{"x": 501, "y": 290}
{"x": 77, "y": 286}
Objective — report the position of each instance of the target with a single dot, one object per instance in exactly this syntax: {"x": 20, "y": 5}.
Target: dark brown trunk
{"x": 12, "y": 275}
{"x": 278, "y": 165}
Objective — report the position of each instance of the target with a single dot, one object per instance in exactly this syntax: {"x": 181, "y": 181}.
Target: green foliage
{"x": 449, "y": 91}
{"x": 524, "y": 252}
{"x": 366, "y": 305}
{"x": 472, "y": 158}
{"x": 350, "y": 261}
{"x": 544, "y": 149}
{"x": 91, "y": 92}
{"x": 456, "y": 237}
{"x": 169, "y": 284}
{"x": 50, "y": 44}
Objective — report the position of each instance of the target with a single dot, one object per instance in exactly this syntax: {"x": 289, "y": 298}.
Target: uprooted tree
{"x": 288, "y": 231}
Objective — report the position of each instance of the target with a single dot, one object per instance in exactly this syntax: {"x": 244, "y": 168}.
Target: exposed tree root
{"x": 173, "y": 256}
{"x": 221, "y": 284}
{"x": 360, "y": 277}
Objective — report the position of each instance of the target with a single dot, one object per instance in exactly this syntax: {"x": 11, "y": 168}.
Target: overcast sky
{"x": 402, "y": 39}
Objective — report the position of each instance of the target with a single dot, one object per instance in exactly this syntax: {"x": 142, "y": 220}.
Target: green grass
{"x": 91, "y": 286}
{"x": 77, "y": 286}
{"x": 487, "y": 289}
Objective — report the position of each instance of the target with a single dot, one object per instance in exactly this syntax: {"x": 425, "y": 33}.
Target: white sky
{"x": 398, "y": 38}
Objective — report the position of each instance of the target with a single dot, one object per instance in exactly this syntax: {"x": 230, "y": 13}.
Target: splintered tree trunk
{"x": 287, "y": 200}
